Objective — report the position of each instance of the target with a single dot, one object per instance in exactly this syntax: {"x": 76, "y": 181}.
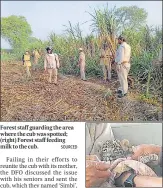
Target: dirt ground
{"x": 71, "y": 100}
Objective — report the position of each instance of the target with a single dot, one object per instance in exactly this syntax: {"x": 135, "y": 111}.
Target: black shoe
{"x": 119, "y": 92}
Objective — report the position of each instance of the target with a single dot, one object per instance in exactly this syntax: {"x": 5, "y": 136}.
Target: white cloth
{"x": 96, "y": 135}
{"x": 123, "y": 53}
{"x": 51, "y": 61}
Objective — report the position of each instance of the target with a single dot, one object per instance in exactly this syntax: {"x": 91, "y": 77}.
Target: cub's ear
{"x": 125, "y": 144}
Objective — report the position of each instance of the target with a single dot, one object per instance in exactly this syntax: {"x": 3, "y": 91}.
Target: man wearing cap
{"x": 105, "y": 62}
{"x": 51, "y": 64}
{"x": 82, "y": 64}
{"x": 122, "y": 61}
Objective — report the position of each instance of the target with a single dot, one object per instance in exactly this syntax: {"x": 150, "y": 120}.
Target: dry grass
{"x": 71, "y": 100}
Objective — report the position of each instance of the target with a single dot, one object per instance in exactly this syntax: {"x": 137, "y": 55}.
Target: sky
{"x": 47, "y": 16}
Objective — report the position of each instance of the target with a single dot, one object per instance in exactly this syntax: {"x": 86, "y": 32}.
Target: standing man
{"x": 122, "y": 61}
{"x": 105, "y": 62}
{"x": 36, "y": 56}
{"x": 82, "y": 64}
{"x": 51, "y": 64}
{"x": 27, "y": 63}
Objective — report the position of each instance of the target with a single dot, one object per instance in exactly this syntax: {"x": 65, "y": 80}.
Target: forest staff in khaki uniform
{"x": 105, "y": 62}
{"x": 122, "y": 61}
{"x": 51, "y": 64}
{"x": 82, "y": 64}
{"x": 27, "y": 63}
{"x": 36, "y": 57}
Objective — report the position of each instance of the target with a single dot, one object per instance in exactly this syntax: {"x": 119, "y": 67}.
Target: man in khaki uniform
{"x": 36, "y": 56}
{"x": 51, "y": 64}
{"x": 82, "y": 64}
{"x": 27, "y": 63}
{"x": 122, "y": 61}
{"x": 105, "y": 62}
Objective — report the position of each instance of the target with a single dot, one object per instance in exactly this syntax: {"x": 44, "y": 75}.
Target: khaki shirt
{"x": 51, "y": 61}
{"x": 105, "y": 56}
{"x": 36, "y": 54}
{"x": 123, "y": 53}
{"x": 82, "y": 57}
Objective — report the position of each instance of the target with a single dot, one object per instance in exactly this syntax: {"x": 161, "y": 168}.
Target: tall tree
{"x": 16, "y": 30}
{"x": 131, "y": 17}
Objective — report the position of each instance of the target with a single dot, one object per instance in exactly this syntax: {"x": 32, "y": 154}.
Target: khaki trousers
{"x": 122, "y": 76}
{"x": 51, "y": 72}
{"x": 35, "y": 63}
{"x": 28, "y": 71}
{"x": 82, "y": 72}
{"x": 106, "y": 71}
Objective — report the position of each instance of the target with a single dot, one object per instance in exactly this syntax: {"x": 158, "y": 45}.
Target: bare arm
{"x": 146, "y": 181}
{"x": 146, "y": 149}
{"x": 140, "y": 181}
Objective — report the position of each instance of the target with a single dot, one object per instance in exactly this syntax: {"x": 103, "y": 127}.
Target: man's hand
{"x": 145, "y": 149}
{"x": 45, "y": 70}
{"x": 96, "y": 173}
{"x": 92, "y": 158}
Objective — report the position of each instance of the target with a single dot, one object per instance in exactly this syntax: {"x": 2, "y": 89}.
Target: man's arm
{"x": 96, "y": 173}
{"x": 57, "y": 61}
{"x": 146, "y": 149}
{"x": 140, "y": 181}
